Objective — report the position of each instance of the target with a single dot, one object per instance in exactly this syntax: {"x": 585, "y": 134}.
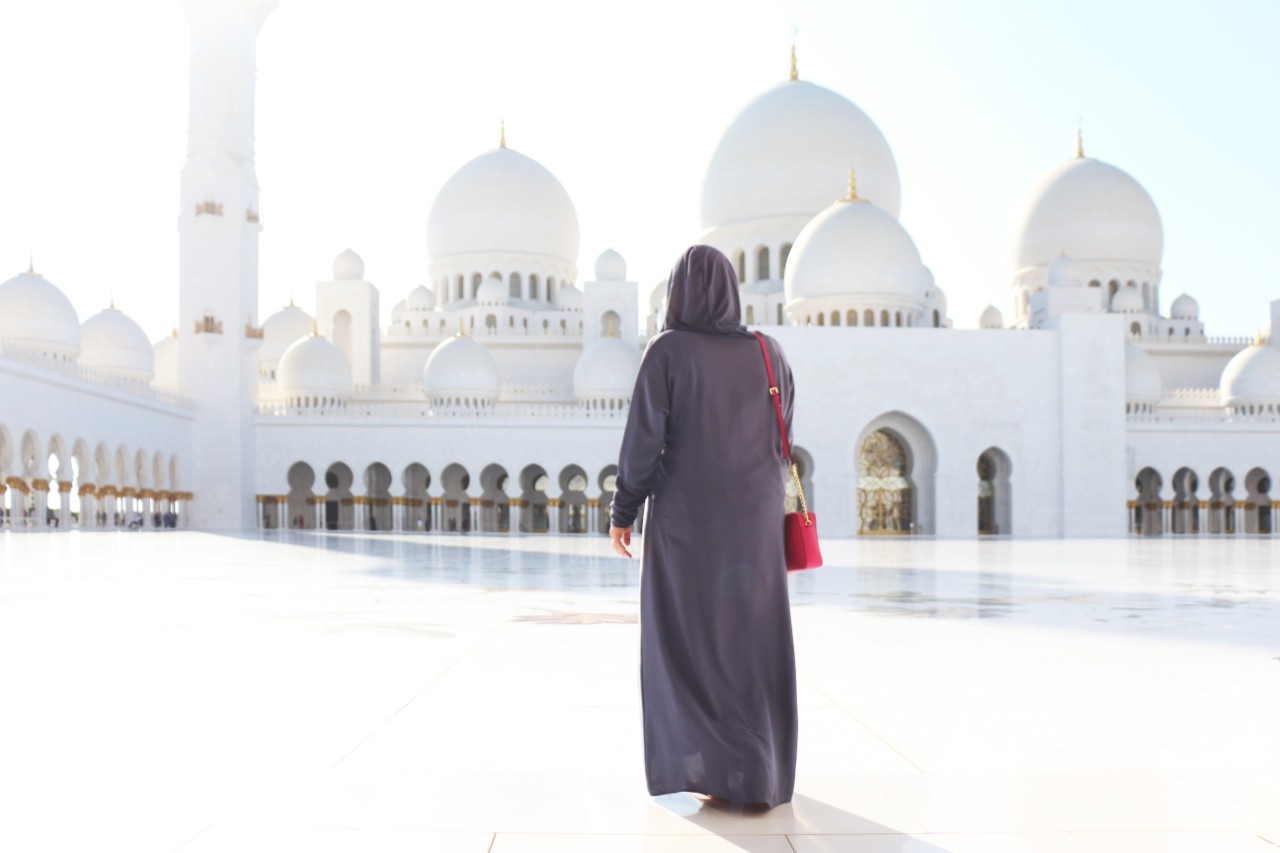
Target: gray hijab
{"x": 702, "y": 294}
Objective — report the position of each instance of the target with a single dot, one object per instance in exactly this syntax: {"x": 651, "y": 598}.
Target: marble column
{"x": 40, "y": 519}
{"x": 64, "y": 504}
{"x": 555, "y": 515}
{"x": 88, "y": 507}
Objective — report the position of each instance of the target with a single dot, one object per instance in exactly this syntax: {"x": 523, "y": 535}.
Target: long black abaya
{"x": 717, "y": 664}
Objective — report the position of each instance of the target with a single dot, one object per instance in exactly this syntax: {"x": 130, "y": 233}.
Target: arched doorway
{"x": 886, "y": 499}
{"x": 300, "y": 503}
{"x": 416, "y": 481}
{"x": 608, "y": 482}
{"x": 1147, "y": 519}
{"x": 1257, "y": 518}
{"x": 456, "y": 512}
{"x": 995, "y": 498}
{"x": 495, "y": 505}
{"x": 339, "y": 508}
{"x": 1222, "y": 505}
{"x": 533, "y": 499}
{"x": 573, "y": 500}
{"x": 1186, "y": 509}
{"x": 377, "y": 497}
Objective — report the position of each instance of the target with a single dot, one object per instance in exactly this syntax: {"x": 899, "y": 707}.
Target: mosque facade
{"x": 496, "y": 397}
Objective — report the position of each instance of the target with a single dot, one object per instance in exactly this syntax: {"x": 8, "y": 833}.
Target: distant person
{"x": 702, "y": 444}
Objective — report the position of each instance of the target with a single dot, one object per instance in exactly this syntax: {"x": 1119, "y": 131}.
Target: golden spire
{"x": 502, "y": 133}
{"x": 31, "y": 262}
{"x": 111, "y": 304}
{"x": 462, "y": 328}
{"x": 1079, "y": 143}
{"x": 291, "y": 305}
{"x": 795, "y": 75}
{"x": 174, "y": 333}
{"x": 315, "y": 327}
{"x": 853, "y": 188}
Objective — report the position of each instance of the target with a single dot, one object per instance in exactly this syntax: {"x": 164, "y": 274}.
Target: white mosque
{"x": 495, "y": 400}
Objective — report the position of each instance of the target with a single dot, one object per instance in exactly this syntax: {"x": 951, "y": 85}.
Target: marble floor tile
{"x": 401, "y": 692}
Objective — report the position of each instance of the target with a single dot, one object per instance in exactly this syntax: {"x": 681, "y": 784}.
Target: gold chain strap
{"x": 804, "y": 507}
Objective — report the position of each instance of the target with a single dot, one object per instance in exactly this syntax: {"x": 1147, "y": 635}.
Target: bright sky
{"x": 365, "y": 107}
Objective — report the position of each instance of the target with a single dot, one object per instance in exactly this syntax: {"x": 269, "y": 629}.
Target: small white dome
{"x": 611, "y": 266}
{"x": 281, "y": 329}
{"x": 399, "y": 311}
{"x": 492, "y": 291}
{"x": 314, "y": 367}
{"x": 1091, "y": 211}
{"x": 165, "y": 352}
{"x": 853, "y": 249}
{"x": 1185, "y": 308}
{"x": 569, "y": 298}
{"x": 1061, "y": 272}
{"x": 788, "y": 149}
{"x": 348, "y": 267}
{"x": 34, "y": 313}
{"x": 1252, "y": 377}
{"x": 1142, "y": 381}
{"x": 1127, "y": 300}
{"x": 112, "y": 342}
{"x": 606, "y": 370}
{"x": 463, "y": 369}
{"x": 503, "y": 201}
{"x": 991, "y": 318}
{"x": 420, "y": 299}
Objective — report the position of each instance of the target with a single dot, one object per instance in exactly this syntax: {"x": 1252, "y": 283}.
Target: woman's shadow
{"x": 759, "y": 829}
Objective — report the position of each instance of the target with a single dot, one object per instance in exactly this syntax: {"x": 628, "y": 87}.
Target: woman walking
{"x": 702, "y": 444}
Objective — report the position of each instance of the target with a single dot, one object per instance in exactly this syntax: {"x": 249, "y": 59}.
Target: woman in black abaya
{"x": 717, "y": 664}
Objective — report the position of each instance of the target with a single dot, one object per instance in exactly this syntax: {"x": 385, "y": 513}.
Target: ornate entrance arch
{"x": 885, "y": 494}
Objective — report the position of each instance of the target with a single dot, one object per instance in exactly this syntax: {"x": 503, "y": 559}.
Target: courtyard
{"x": 181, "y": 691}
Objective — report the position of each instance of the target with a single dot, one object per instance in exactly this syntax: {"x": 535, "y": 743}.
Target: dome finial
{"x": 315, "y": 327}
{"x": 502, "y": 133}
{"x": 1079, "y": 143}
{"x": 795, "y": 75}
{"x": 853, "y": 187}
{"x": 291, "y": 305}
{"x": 462, "y": 329}
{"x": 31, "y": 262}
{"x": 111, "y": 301}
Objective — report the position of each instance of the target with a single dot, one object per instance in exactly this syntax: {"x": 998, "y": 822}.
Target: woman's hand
{"x": 621, "y": 537}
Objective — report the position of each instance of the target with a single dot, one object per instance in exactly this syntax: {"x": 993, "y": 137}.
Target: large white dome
{"x": 112, "y": 342}
{"x": 1252, "y": 377}
{"x": 503, "y": 201}
{"x": 856, "y": 249}
{"x": 606, "y": 370}
{"x": 459, "y": 369}
{"x": 314, "y": 368}
{"x": 34, "y": 313}
{"x": 1142, "y": 381}
{"x": 786, "y": 151}
{"x": 420, "y": 299}
{"x": 611, "y": 266}
{"x": 1091, "y": 211}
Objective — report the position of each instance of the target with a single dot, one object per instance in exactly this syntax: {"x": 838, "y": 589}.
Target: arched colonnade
{"x": 51, "y": 483}
{"x": 452, "y": 499}
{"x": 1187, "y": 504}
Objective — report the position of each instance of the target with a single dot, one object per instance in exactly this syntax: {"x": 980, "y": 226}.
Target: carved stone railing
{"x": 29, "y": 357}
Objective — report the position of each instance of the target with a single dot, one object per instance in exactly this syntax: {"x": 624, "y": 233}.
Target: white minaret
{"x": 218, "y": 261}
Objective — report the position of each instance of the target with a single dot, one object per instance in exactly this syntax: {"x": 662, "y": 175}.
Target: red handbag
{"x": 799, "y": 529}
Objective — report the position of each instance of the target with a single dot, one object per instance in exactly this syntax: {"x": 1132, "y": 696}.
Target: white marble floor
{"x": 344, "y": 692}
